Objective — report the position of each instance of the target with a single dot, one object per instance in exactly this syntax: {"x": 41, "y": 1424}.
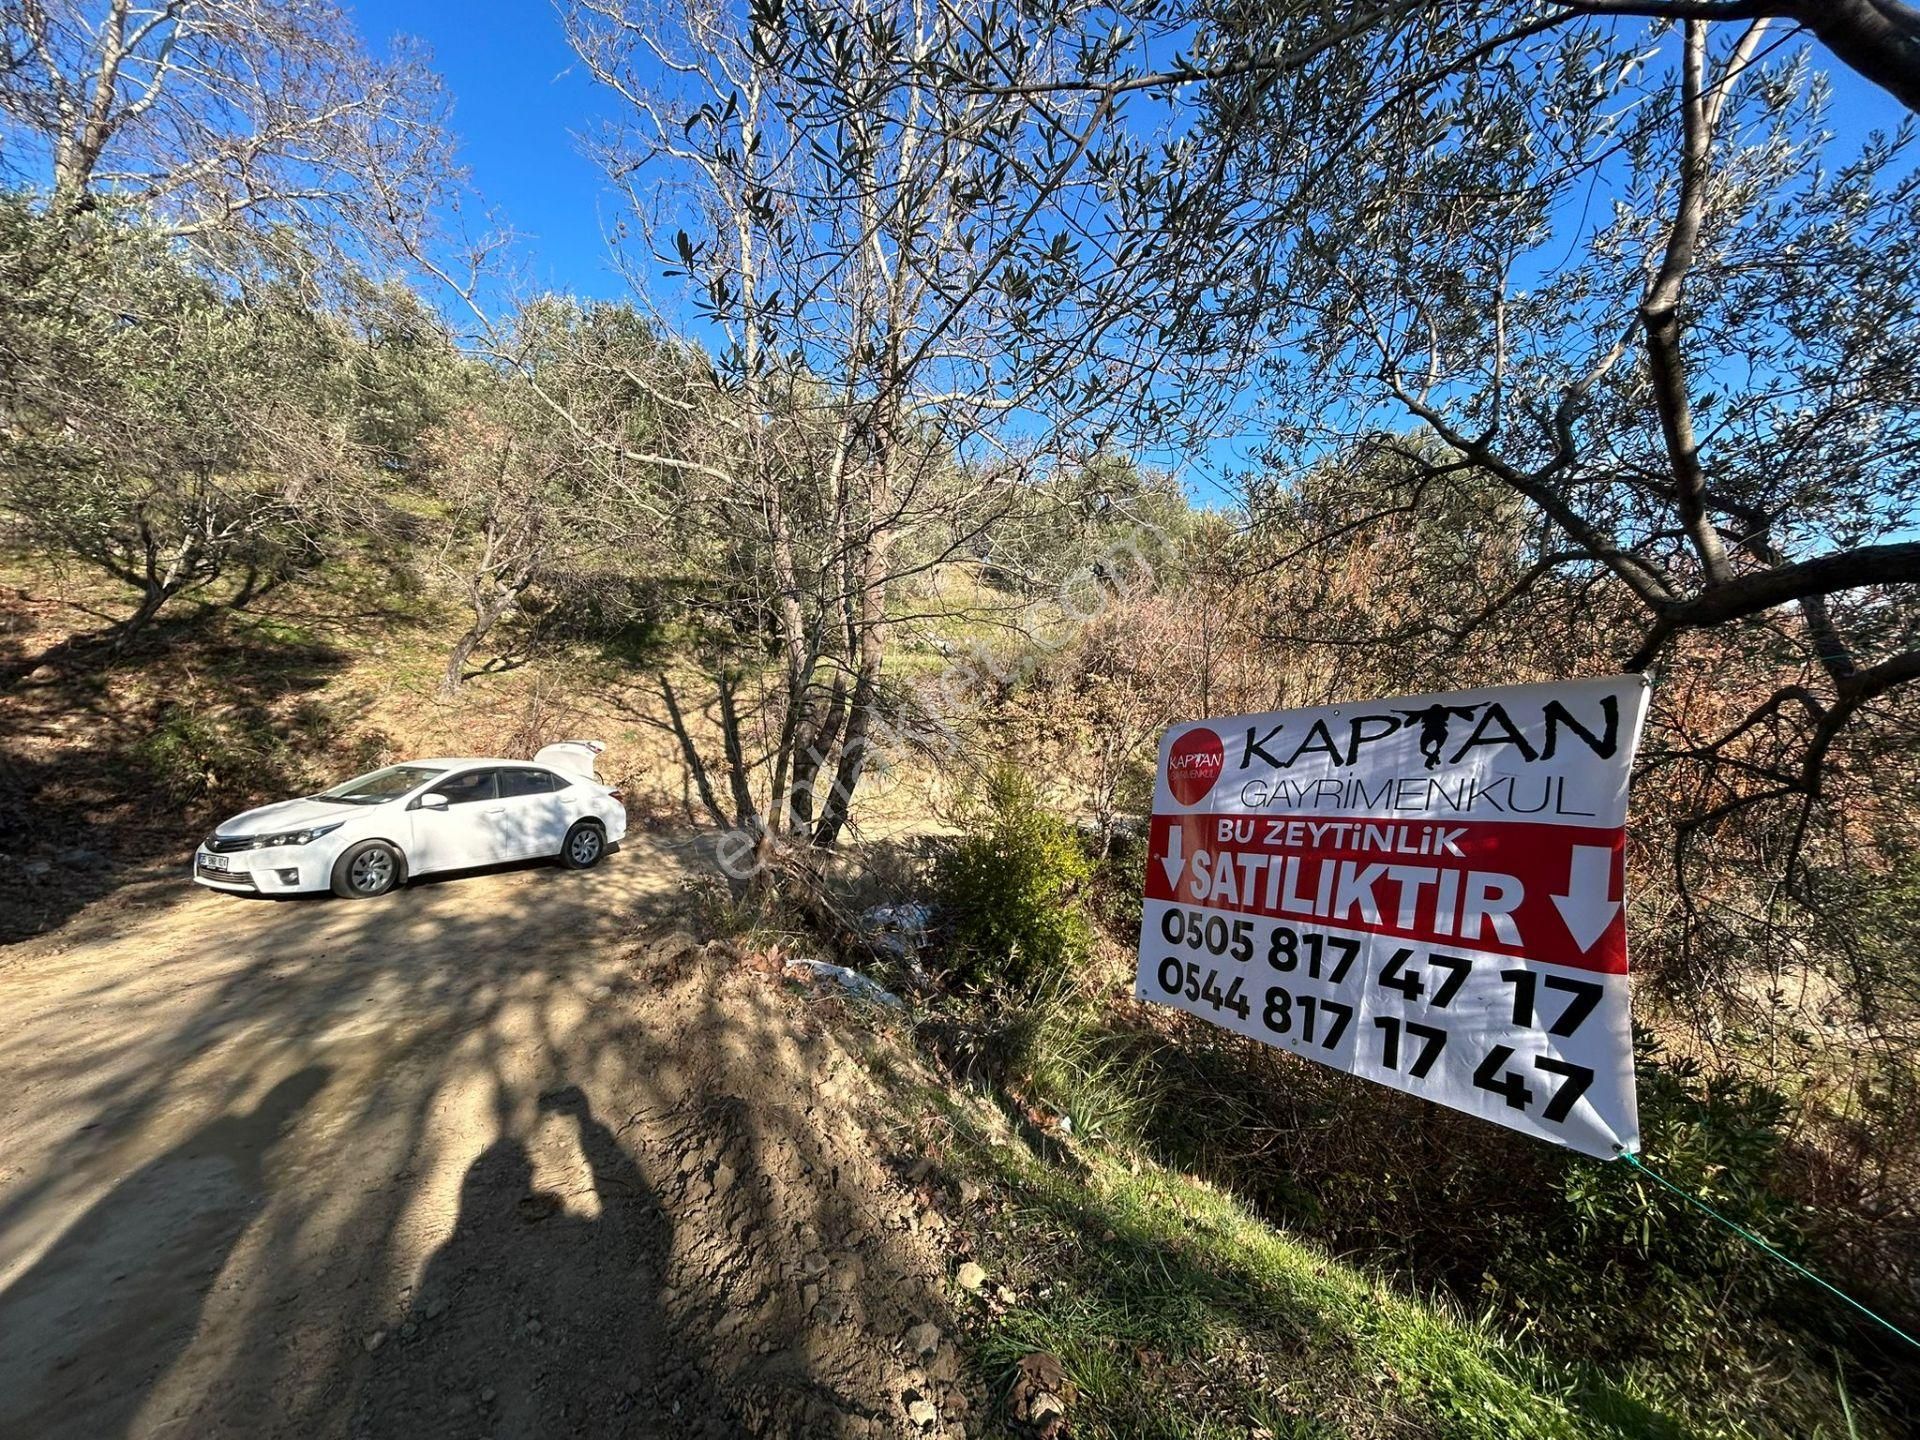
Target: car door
{"x": 464, "y": 833}
{"x": 532, "y": 822}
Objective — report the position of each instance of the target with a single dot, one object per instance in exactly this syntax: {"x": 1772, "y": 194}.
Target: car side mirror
{"x": 431, "y": 802}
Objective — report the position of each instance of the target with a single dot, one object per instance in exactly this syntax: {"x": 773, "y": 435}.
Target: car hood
{"x": 285, "y": 815}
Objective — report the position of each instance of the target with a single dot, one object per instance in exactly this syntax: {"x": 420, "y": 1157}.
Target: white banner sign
{"x": 1425, "y": 891}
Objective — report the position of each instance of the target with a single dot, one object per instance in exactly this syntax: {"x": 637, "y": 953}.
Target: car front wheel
{"x": 368, "y": 869}
{"x": 585, "y": 844}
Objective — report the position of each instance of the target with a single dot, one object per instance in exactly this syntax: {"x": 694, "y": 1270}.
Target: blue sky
{"x": 520, "y": 97}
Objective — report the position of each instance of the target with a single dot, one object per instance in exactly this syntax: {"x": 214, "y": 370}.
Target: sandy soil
{"x": 469, "y": 1160}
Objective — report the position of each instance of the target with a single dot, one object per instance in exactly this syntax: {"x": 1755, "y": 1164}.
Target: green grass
{"x": 1278, "y": 1328}
{"x": 266, "y": 631}
{"x": 1176, "y": 1312}
{"x": 1213, "y": 1247}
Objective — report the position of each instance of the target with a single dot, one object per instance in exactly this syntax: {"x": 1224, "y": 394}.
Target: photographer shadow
{"x": 535, "y": 1318}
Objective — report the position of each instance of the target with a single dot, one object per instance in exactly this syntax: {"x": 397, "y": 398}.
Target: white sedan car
{"x": 363, "y": 838}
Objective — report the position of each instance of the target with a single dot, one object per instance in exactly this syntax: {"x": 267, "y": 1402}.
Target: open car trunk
{"x": 572, "y": 757}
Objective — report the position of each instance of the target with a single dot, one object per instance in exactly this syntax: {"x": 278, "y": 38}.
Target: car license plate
{"x": 212, "y": 862}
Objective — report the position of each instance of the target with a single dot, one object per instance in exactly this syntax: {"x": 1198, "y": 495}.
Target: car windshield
{"x": 381, "y": 786}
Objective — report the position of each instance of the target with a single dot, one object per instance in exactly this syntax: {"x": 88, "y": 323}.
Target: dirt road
{"x": 468, "y": 1160}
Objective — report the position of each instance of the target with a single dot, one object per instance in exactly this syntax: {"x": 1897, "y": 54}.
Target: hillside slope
{"x": 576, "y": 1143}
{"x": 516, "y": 1154}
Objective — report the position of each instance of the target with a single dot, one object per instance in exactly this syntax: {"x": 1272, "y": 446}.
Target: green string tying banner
{"x": 1759, "y": 1244}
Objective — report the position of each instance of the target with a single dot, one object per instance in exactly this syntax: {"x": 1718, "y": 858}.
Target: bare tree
{"x": 226, "y": 115}
{"x": 542, "y": 468}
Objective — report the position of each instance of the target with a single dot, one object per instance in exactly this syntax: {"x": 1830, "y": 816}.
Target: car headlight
{"x": 294, "y": 837}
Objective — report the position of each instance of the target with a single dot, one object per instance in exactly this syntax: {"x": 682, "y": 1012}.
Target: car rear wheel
{"x": 370, "y": 868}
{"x": 586, "y": 843}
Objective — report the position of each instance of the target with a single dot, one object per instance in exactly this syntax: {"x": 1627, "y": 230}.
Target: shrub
{"x": 1118, "y": 897}
{"x": 1620, "y": 1263}
{"x": 184, "y": 754}
{"x": 1591, "y": 1261}
{"x": 1010, "y": 890}
{"x": 204, "y": 756}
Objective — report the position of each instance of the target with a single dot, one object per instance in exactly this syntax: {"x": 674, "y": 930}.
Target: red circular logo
{"x": 1194, "y": 763}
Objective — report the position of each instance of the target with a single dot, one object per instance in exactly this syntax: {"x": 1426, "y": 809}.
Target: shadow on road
{"x": 413, "y": 882}
{"x": 532, "y": 1114}
{"x": 532, "y": 1283}
{"x": 112, "y": 1305}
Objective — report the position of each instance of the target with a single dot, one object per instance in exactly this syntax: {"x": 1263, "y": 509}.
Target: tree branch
{"x": 1896, "y": 563}
{"x": 1878, "y": 38}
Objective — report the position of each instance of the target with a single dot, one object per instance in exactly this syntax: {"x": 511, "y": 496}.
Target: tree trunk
{"x": 128, "y": 630}
{"x": 853, "y": 753}
{"x": 811, "y": 749}
{"x": 866, "y": 696}
{"x": 456, "y": 670}
{"x": 485, "y": 617}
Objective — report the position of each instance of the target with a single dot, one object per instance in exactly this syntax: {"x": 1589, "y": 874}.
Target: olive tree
{"x": 1598, "y": 255}
{"x": 170, "y": 432}
{"x": 1707, "y": 393}
{"x": 541, "y": 467}
{"x": 861, "y": 249}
